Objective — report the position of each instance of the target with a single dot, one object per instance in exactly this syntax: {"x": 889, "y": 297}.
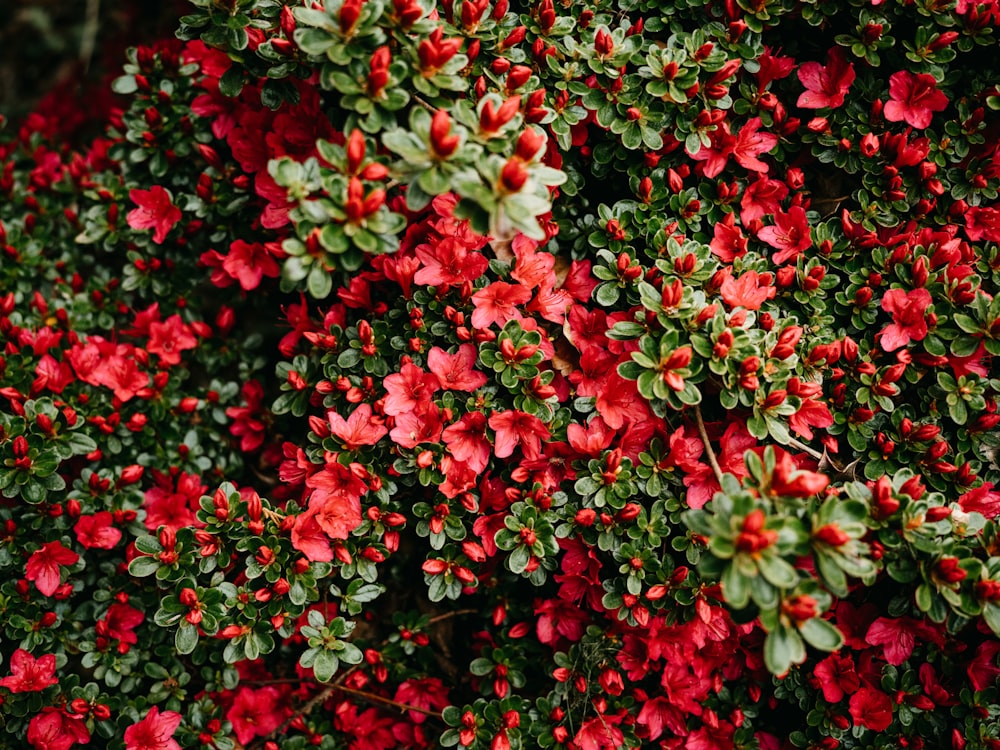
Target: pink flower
{"x": 908, "y": 323}
{"x": 750, "y": 144}
{"x": 28, "y": 674}
{"x": 43, "y": 566}
{"x": 337, "y": 515}
{"x": 826, "y": 86}
{"x": 913, "y": 99}
{"x": 156, "y": 211}
{"x": 154, "y": 731}
{"x": 466, "y": 440}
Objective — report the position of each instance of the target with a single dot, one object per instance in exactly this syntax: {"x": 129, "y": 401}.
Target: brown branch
{"x": 712, "y": 461}
{"x": 338, "y": 684}
{"x": 805, "y": 448}
{"x": 365, "y": 695}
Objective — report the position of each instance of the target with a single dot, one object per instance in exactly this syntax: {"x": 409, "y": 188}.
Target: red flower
{"x": 309, "y": 539}
{"x": 896, "y": 636}
{"x": 456, "y": 372}
{"x": 826, "y": 86}
{"x": 982, "y": 223}
{"x": 168, "y": 339}
{"x": 788, "y": 481}
{"x": 908, "y": 323}
{"x": 121, "y": 622}
{"x": 514, "y": 428}
{"x": 97, "y": 531}
{"x": 28, "y": 674}
{"x": 762, "y": 197}
{"x": 155, "y": 212}
{"x": 466, "y": 440}
{"x": 728, "y": 242}
{"x": 54, "y": 729}
{"x": 837, "y": 677}
{"x": 748, "y": 291}
{"x": 429, "y": 693}
{"x": 249, "y": 262}
{"x": 154, "y": 731}
{"x": 789, "y": 234}
{"x": 337, "y": 515}
{"x": 361, "y": 428}
{"x": 409, "y": 388}
{"x": 913, "y": 99}
{"x": 247, "y": 423}
{"x": 449, "y": 262}
{"x": 872, "y": 709}
{"x": 498, "y": 303}
{"x": 255, "y": 713}
{"x": 43, "y": 566}
{"x": 750, "y": 144}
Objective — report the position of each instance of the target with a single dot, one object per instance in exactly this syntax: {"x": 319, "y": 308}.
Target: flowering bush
{"x": 584, "y": 376}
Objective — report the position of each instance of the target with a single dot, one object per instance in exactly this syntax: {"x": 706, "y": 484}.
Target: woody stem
{"x": 388, "y": 701}
{"x": 805, "y": 448}
{"x": 712, "y": 461}
{"x": 338, "y": 684}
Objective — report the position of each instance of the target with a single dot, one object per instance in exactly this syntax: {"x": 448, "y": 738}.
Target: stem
{"x": 805, "y": 448}
{"x": 338, "y": 684}
{"x": 388, "y": 701}
{"x": 712, "y": 461}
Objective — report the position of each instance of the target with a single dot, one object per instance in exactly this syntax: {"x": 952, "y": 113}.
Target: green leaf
{"x": 821, "y": 634}
{"x": 186, "y": 638}
{"x": 782, "y": 648}
{"x": 231, "y": 83}
{"x": 325, "y": 666}
{"x": 144, "y": 566}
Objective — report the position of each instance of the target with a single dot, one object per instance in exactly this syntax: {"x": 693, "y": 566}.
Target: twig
{"x": 388, "y": 701}
{"x": 338, "y": 684}
{"x": 712, "y": 461}
{"x": 805, "y": 448}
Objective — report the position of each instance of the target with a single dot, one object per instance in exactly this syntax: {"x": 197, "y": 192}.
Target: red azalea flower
{"x": 811, "y": 413}
{"x": 248, "y": 263}
{"x": 982, "y": 223}
{"x": 872, "y": 709}
{"x": 54, "y": 729}
{"x": 28, "y": 674}
{"x": 43, "y": 566}
{"x": 517, "y": 428}
{"x": 121, "y": 622}
{"x": 455, "y": 372}
{"x": 168, "y": 339}
{"x": 154, "y": 731}
{"x": 361, "y": 428}
{"x": 748, "y": 291}
{"x": 122, "y": 375}
{"x": 466, "y": 441}
{"x": 789, "y": 234}
{"x": 750, "y": 144}
{"x": 497, "y": 303}
{"x": 256, "y": 713}
{"x": 837, "y": 677}
{"x": 429, "y": 693}
{"x": 789, "y": 481}
{"x": 908, "y": 322}
{"x": 728, "y": 242}
{"x": 599, "y": 733}
{"x": 422, "y": 425}
{"x": 247, "y": 423}
{"x": 762, "y": 197}
{"x": 981, "y": 499}
{"x": 409, "y": 388}
{"x": 310, "y": 539}
{"x": 156, "y": 211}
{"x": 913, "y": 99}
{"x": 97, "y": 531}
{"x": 337, "y": 515}
{"x": 449, "y": 262}
{"x": 826, "y": 86}
{"x": 896, "y": 636}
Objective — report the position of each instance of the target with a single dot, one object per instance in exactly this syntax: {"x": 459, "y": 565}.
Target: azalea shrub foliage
{"x": 498, "y": 375}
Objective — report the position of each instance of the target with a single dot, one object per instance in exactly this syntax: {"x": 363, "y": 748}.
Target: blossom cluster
{"x": 493, "y": 376}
